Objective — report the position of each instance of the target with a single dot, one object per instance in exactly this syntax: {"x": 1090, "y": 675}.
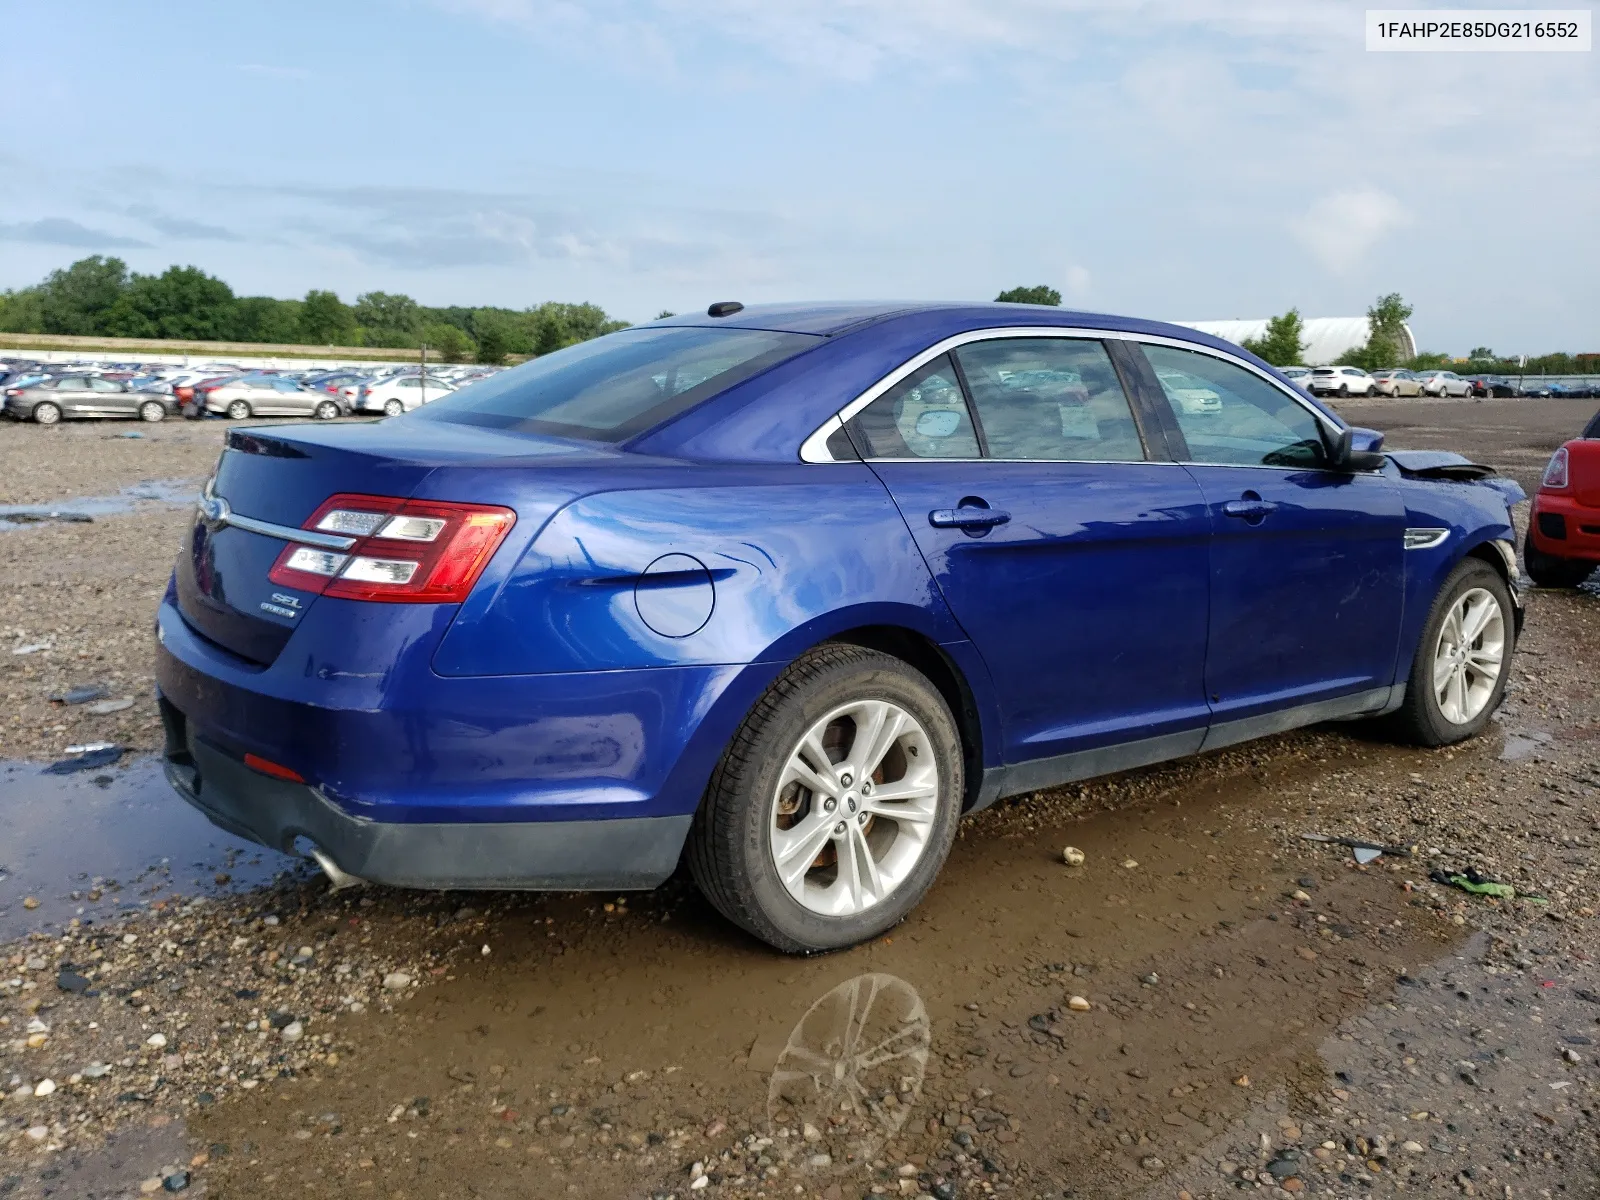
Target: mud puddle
{"x": 90, "y": 845}
{"x": 1031, "y": 1028}
{"x": 152, "y": 493}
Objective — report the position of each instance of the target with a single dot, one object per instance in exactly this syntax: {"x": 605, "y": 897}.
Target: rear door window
{"x": 1049, "y": 399}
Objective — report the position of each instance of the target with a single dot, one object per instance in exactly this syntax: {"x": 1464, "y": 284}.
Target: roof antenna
{"x": 724, "y": 308}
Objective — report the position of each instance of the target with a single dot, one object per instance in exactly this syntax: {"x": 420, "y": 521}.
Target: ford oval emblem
{"x": 214, "y": 511}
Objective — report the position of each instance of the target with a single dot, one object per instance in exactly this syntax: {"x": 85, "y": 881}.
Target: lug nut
{"x": 838, "y": 830}
{"x": 866, "y": 786}
{"x": 829, "y": 804}
{"x": 845, "y": 779}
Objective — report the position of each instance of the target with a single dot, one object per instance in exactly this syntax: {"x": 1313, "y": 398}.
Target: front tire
{"x": 1344, "y": 390}
{"x": 152, "y": 411}
{"x": 834, "y": 807}
{"x": 1552, "y": 571}
{"x": 238, "y": 410}
{"x": 46, "y": 412}
{"x": 1463, "y": 659}
{"x": 326, "y": 411}
{"x": 393, "y": 408}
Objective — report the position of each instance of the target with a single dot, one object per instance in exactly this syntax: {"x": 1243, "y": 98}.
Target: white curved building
{"x": 1327, "y": 339}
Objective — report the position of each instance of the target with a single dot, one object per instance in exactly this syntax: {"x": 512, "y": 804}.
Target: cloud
{"x": 1341, "y": 227}
{"x": 180, "y": 228}
{"x": 58, "y": 231}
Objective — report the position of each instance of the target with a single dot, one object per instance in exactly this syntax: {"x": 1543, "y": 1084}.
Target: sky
{"x": 1182, "y": 160}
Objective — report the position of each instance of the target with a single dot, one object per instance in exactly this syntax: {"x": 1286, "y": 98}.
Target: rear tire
{"x": 1344, "y": 390}
{"x": 755, "y": 799}
{"x": 326, "y": 411}
{"x": 1552, "y": 571}
{"x": 238, "y": 410}
{"x": 152, "y": 411}
{"x": 46, "y": 413}
{"x": 1465, "y": 599}
{"x": 393, "y": 408}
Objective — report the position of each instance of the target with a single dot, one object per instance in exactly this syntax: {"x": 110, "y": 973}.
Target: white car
{"x": 1341, "y": 381}
{"x": 394, "y": 396}
{"x": 1188, "y": 393}
{"x": 1299, "y": 376}
{"x": 1444, "y": 383}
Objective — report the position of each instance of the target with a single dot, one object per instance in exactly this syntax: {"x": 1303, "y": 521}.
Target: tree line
{"x": 100, "y": 297}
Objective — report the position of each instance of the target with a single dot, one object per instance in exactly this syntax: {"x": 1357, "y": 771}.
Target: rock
{"x": 176, "y": 1182}
{"x": 1151, "y": 1163}
{"x": 1151, "y": 979}
{"x": 81, "y": 694}
{"x": 1020, "y": 1070}
{"x": 71, "y": 981}
{"x": 107, "y": 707}
{"x": 820, "y": 1160}
{"x": 1283, "y": 1167}
{"x": 1571, "y": 1055}
{"x": 44, "y": 1087}
{"x": 1411, "y": 1147}
{"x": 396, "y": 981}
{"x": 1303, "y": 897}
{"x": 1306, "y": 952}
{"x": 30, "y": 902}
{"x": 1130, "y": 863}
{"x": 150, "y": 1186}
{"x": 1292, "y": 1185}
{"x": 95, "y": 1070}
{"x": 36, "y": 1040}
{"x": 38, "y": 1133}
{"x": 1072, "y": 856}
{"x": 1078, "y": 1004}
{"x": 1242, "y": 1081}
{"x": 292, "y": 1032}
{"x": 811, "y": 1133}
{"x": 156, "y": 1040}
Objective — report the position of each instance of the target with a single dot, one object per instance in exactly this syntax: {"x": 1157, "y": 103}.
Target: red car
{"x": 1563, "y": 544}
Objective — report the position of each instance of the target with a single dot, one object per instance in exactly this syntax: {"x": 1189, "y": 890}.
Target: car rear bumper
{"x": 1562, "y": 527}
{"x": 565, "y": 780}
{"x": 533, "y": 855}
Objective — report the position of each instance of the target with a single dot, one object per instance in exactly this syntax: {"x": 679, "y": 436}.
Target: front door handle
{"x": 967, "y": 517}
{"x": 1248, "y": 509}
{"x": 1252, "y": 509}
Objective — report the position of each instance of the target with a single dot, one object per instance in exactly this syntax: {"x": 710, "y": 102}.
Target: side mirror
{"x": 1343, "y": 455}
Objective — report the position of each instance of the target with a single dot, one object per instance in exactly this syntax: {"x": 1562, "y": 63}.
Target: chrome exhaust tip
{"x": 338, "y": 879}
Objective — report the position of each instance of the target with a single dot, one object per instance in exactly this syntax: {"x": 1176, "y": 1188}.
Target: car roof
{"x": 835, "y": 318}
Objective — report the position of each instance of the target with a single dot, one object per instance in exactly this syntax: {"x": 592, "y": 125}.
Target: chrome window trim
{"x": 1422, "y": 538}
{"x": 815, "y": 450}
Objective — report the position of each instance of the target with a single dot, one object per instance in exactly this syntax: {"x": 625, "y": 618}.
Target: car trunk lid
{"x": 269, "y": 482}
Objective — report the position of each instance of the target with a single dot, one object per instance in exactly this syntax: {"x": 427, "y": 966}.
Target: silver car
{"x": 69, "y": 396}
{"x": 270, "y": 396}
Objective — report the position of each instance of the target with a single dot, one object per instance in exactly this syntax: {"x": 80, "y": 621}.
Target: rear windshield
{"x": 619, "y": 385}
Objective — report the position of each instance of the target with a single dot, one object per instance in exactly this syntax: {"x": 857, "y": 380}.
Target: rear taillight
{"x": 1555, "y": 474}
{"x": 405, "y": 551}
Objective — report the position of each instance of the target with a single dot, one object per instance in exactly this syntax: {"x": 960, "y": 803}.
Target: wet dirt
{"x": 84, "y": 846}
{"x": 144, "y": 496}
{"x": 603, "y": 1049}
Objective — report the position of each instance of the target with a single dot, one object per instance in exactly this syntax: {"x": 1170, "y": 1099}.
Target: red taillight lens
{"x": 405, "y": 551}
{"x": 1555, "y": 474}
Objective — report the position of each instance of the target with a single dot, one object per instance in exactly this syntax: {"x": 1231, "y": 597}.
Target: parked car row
{"x": 47, "y": 393}
{"x": 1401, "y": 383}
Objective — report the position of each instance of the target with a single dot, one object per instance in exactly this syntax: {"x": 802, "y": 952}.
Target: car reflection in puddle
{"x": 851, "y": 1072}
{"x": 86, "y": 846}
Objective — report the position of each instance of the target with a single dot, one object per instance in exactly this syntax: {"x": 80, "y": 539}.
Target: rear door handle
{"x": 1249, "y": 510}
{"x": 967, "y": 518}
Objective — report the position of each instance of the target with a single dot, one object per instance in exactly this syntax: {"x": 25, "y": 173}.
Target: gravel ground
{"x": 1208, "y": 1004}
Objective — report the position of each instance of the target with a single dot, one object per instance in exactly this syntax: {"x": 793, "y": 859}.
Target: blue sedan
{"x": 784, "y": 591}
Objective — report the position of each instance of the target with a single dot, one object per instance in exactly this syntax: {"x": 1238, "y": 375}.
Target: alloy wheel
{"x": 1469, "y": 656}
{"x": 854, "y": 808}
